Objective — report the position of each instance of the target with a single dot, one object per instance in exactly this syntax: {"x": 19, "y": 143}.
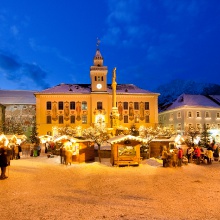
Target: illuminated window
{"x": 72, "y": 105}
{"x": 84, "y": 119}
{"x": 147, "y": 119}
{"x": 136, "y": 119}
{"x": 99, "y": 78}
{"x": 198, "y": 126}
{"x": 207, "y": 115}
{"x": 60, "y": 119}
{"x": 48, "y": 119}
{"x": 84, "y": 105}
{"x": 99, "y": 105}
{"x": 136, "y": 105}
{"x": 125, "y": 119}
{"x": 49, "y": 105}
{"x": 60, "y": 105}
{"x": 72, "y": 119}
{"x": 189, "y": 114}
{"x": 147, "y": 106}
{"x": 125, "y": 105}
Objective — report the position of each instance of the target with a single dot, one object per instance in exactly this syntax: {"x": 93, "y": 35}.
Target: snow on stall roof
{"x": 122, "y": 137}
{"x": 86, "y": 89}
{"x": 17, "y": 97}
{"x": 192, "y": 100}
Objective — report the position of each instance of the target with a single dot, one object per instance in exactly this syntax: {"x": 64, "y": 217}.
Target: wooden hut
{"x": 82, "y": 150}
{"x": 156, "y": 145}
{"x": 125, "y": 150}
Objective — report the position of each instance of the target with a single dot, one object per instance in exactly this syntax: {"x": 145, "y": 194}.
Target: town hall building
{"x": 84, "y": 105}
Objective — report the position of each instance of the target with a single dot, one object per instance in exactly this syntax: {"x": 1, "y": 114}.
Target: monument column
{"x": 114, "y": 113}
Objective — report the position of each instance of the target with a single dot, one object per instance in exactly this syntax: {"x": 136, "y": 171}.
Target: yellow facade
{"x": 87, "y": 104}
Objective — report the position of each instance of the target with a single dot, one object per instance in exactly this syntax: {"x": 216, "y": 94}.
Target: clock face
{"x": 99, "y": 86}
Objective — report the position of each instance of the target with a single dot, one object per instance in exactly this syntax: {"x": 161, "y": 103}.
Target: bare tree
{"x": 98, "y": 134}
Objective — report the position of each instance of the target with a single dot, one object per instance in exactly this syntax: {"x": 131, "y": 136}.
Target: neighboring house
{"x": 83, "y": 105}
{"x": 2, "y": 118}
{"x": 192, "y": 111}
{"x": 20, "y": 111}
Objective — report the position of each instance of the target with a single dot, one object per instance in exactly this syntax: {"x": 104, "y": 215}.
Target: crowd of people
{"x": 14, "y": 151}
{"x": 194, "y": 153}
{"x": 171, "y": 157}
{"x": 66, "y": 154}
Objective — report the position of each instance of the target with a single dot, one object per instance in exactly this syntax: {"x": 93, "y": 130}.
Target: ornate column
{"x": 114, "y": 114}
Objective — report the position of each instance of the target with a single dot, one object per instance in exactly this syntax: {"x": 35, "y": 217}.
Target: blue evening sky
{"x": 151, "y": 42}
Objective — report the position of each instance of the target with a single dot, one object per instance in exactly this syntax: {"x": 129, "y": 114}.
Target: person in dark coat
{"x": 3, "y": 162}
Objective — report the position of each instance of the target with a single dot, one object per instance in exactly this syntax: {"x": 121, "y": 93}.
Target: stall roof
{"x": 171, "y": 139}
{"x": 72, "y": 139}
{"x": 121, "y": 138}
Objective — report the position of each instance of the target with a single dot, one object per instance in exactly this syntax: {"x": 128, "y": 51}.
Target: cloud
{"x": 51, "y": 50}
{"x": 8, "y": 62}
{"x": 14, "y": 30}
{"x": 15, "y": 70}
{"x": 123, "y": 22}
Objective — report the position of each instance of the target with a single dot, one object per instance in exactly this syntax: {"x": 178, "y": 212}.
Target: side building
{"x": 192, "y": 111}
{"x": 20, "y": 111}
{"x": 83, "y": 105}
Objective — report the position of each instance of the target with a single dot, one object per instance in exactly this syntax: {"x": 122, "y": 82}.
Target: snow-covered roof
{"x": 71, "y": 139}
{"x": 215, "y": 98}
{"x": 192, "y": 100}
{"x": 86, "y": 89}
{"x": 17, "y": 97}
{"x": 120, "y": 138}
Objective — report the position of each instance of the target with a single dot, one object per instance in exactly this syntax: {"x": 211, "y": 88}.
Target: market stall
{"x": 125, "y": 150}
{"x": 82, "y": 150}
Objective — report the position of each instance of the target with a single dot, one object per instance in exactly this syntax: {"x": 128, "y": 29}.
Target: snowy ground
{"x": 41, "y": 188}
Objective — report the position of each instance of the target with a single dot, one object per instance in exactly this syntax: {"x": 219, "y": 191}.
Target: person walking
{"x": 209, "y": 153}
{"x": 180, "y": 156}
{"x": 189, "y": 153}
{"x": 197, "y": 154}
{"x": 164, "y": 156}
{"x": 3, "y": 162}
{"x": 16, "y": 150}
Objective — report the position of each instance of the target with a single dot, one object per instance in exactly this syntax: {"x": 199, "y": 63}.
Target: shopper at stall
{"x": 209, "y": 154}
{"x": 197, "y": 154}
{"x": 3, "y": 161}
{"x": 190, "y": 153}
{"x": 164, "y": 156}
{"x": 180, "y": 157}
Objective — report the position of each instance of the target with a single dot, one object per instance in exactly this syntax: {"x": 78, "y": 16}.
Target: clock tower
{"x": 98, "y": 74}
